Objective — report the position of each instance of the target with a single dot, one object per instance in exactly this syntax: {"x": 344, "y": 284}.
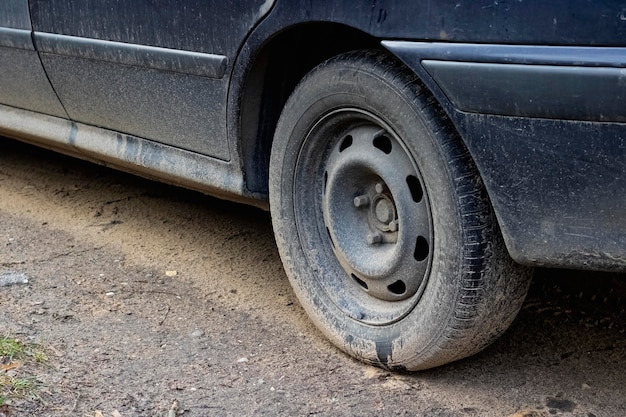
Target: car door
{"x": 156, "y": 69}
{"x": 23, "y": 82}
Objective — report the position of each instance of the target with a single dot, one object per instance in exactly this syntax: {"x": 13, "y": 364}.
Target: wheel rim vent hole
{"x": 360, "y": 281}
{"x": 398, "y": 287}
{"x": 421, "y": 249}
{"x": 345, "y": 143}
{"x": 383, "y": 143}
{"x": 415, "y": 187}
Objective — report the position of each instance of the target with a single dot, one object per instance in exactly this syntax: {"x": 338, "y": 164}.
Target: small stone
{"x": 197, "y": 333}
{"x": 12, "y": 278}
{"x": 242, "y": 360}
{"x": 171, "y": 273}
{"x": 586, "y": 386}
{"x": 110, "y": 294}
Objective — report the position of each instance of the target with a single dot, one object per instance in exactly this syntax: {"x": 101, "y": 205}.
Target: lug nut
{"x": 379, "y": 187}
{"x": 361, "y": 201}
{"x": 374, "y": 238}
{"x": 393, "y": 226}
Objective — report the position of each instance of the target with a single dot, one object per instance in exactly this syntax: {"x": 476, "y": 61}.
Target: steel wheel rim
{"x": 366, "y": 217}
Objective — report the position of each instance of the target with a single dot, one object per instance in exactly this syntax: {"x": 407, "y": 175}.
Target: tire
{"x": 382, "y": 221}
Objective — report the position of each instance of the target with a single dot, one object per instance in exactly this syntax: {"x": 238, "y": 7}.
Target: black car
{"x": 418, "y": 157}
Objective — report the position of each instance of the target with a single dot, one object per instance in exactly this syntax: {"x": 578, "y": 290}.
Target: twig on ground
{"x": 167, "y": 311}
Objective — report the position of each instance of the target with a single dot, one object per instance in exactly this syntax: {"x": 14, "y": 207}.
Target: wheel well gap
{"x": 276, "y": 70}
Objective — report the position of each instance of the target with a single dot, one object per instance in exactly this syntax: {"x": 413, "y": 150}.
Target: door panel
{"x": 173, "y": 92}
{"x": 23, "y": 82}
{"x": 175, "y": 109}
{"x": 14, "y": 14}
{"x": 209, "y": 26}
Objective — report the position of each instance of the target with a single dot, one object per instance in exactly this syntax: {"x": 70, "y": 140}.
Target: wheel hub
{"x": 384, "y": 211}
{"x": 384, "y": 215}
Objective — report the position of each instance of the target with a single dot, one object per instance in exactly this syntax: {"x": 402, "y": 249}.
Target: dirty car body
{"x": 192, "y": 93}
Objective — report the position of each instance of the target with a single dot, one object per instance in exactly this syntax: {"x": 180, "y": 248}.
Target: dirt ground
{"x": 145, "y": 294}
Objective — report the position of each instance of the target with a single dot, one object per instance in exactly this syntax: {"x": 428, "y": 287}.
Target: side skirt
{"x": 135, "y": 155}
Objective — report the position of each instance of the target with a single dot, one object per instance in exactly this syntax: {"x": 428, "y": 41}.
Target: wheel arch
{"x": 270, "y": 76}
